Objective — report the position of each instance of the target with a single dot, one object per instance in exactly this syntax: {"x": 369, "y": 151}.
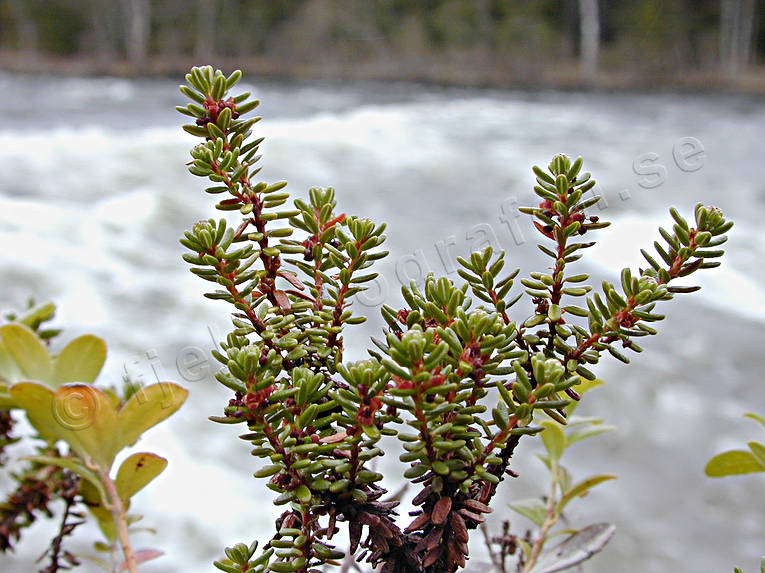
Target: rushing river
{"x": 94, "y": 195}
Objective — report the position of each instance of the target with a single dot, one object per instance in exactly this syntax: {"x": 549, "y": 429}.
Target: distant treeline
{"x": 397, "y": 37}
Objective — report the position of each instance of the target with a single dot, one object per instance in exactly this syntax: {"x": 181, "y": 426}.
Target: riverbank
{"x": 442, "y": 70}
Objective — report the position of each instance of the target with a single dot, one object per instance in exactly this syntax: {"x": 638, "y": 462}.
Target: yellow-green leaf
{"x": 533, "y": 509}
{"x": 583, "y": 386}
{"x": 526, "y": 546}
{"x": 554, "y": 439}
{"x": 758, "y": 451}
{"x": 80, "y": 361}
{"x": 587, "y": 432}
{"x": 103, "y": 516}
{"x": 733, "y": 462}
{"x": 75, "y": 466}
{"x": 89, "y": 421}
{"x": 28, "y": 351}
{"x": 6, "y": 400}
{"x": 79, "y": 414}
{"x": 37, "y": 400}
{"x": 136, "y": 472}
{"x": 148, "y": 407}
{"x": 38, "y": 314}
{"x": 86, "y": 417}
{"x": 102, "y": 547}
{"x": 582, "y": 488}
{"x": 9, "y": 371}
{"x": 756, "y": 417}
{"x": 96, "y": 561}
{"x": 564, "y": 478}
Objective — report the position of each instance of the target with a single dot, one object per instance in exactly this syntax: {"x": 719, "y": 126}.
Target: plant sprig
{"x": 58, "y": 396}
{"x": 459, "y": 385}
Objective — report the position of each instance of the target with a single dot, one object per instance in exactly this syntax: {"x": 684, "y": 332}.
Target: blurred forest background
{"x": 94, "y": 196}
{"x": 638, "y": 44}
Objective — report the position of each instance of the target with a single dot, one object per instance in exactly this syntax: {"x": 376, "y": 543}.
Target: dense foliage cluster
{"x": 460, "y": 375}
{"x": 80, "y": 429}
{"x": 457, "y": 383}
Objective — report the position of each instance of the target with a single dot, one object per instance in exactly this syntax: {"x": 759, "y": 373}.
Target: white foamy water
{"x": 91, "y": 210}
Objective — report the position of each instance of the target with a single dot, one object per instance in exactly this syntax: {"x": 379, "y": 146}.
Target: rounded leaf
{"x": 81, "y": 415}
{"x": 532, "y": 509}
{"x": 734, "y": 462}
{"x": 9, "y": 370}
{"x": 147, "y": 408}
{"x": 136, "y": 472}
{"x": 554, "y": 439}
{"x": 80, "y": 361}
{"x": 27, "y": 351}
{"x": 303, "y": 494}
{"x": 758, "y": 451}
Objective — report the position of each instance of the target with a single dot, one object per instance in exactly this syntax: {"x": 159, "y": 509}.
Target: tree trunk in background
{"x": 204, "y": 43}
{"x": 736, "y": 35}
{"x": 589, "y": 30}
{"x": 26, "y": 29}
{"x": 139, "y": 18}
{"x": 101, "y": 25}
